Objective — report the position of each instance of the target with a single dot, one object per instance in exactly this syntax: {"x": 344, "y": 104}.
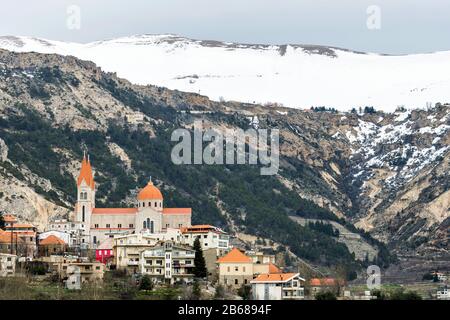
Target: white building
{"x": 443, "y": 293}
{"x": 210, "y": 237}
{"x": 278, "y": 286}
{"x": 168, "y": 262}
{"x": 62, "y": 227}
{"x": 7, "y": 264}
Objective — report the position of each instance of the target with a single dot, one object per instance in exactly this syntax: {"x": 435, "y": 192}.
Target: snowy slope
{"x": 294, "y": 75}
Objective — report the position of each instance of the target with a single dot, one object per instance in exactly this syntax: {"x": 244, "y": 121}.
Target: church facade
{"x": 148, "y": 216}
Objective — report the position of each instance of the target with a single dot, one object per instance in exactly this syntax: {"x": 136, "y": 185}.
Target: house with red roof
{"x": 278, "y": 286}
{"x": 237, "y": 269}
{"x": 51, "y": 245}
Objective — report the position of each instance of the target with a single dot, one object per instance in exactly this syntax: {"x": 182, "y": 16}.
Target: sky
{"x": 382, "y": 26}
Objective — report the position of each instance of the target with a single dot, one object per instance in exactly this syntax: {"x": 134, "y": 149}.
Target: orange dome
{"x": 150, "y": 192}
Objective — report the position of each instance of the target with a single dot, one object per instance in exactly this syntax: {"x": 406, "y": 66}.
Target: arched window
{"x": 145, "y": 225}
{"x": 152, "y": 229}
{"x": 143, "y": 204}
{"x": 83, "y": 214}
{"x": 149, "y": 204}
{"x": 156, "y": 204}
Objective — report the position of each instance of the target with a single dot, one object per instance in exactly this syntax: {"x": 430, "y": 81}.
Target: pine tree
{"x": 2, "y": 221}
{"x": 196, "y": 291}
{"x": 199, "y": 261}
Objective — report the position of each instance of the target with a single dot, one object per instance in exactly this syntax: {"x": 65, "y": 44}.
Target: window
{"x": 143, "y": 204}
{"x": 149, "y": 204}
{"x": 96, "y": 225}
{"x": 145, "y": 225}
{"x": 83, "y": 214}
{"x": 245, "y": 281}
{"x": 97, "y": 268}
{"x": 156, "y": 204}
{"x": 95, "y": 239}
{"x": 119, "y": 225}
{"x": 167, "y": 225}
{"x": 130, "y": 225}
{"x": 243, "y": 269}
{"x": 108, "y": 225}
{"x": 228, "y": 269}
{"x": 236, "y": 268}
{"x": 8, "y": 259}
{"x": 236, "y": 281}
{"x": 205, "y": 236}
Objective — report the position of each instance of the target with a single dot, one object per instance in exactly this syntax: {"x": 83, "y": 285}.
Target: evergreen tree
{"x": 199, "y": 260}
{"x": 196, "y": 291}
{"x": 146, "y": 283}
{"x": 2, "y": 221}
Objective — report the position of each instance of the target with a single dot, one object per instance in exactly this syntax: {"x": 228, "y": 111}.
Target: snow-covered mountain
{"x": 298, "y": 76}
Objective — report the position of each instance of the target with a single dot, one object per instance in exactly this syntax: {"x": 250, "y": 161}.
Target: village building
{"x": 104, "y": 252}
{"x": 87, "y": 271}
{"x": 18, "y": 238}
{"x": 52, "y": 245}
{"x": 71, "y": 232}
{"x": 235, "y": 269}
{"x": 210, "y": 237}
{"x": 443, "y": 293}
{"x": 325, "y": 284}
{"x": 127, "y": 249}
{"x": 278, "y": 286}
{"x": 7, "y": 264}
{"x": 149, "y": 214}
{"x": 168, "y": 263}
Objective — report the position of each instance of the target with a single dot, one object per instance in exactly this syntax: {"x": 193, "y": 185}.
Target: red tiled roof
{"x": 5, "y": 237}
{"x": 235, "y": 255}
{"x": 273, "y": 268}
{"x": 274, "y": 277}
{"x": 316, "y": 282}
{"x": 51, "y": 239}
{"x": 114, "y": 211}
{"x": 177, "y": 211}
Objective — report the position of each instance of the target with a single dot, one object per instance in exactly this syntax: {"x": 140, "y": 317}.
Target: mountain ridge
{"x": 74, "y": 104}
{"x": 298, "y": 76}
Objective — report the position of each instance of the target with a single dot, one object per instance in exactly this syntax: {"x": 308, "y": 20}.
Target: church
{"x": 148, "y": 216}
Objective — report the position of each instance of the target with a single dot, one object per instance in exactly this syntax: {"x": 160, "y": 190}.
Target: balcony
{"x": 133, "y": 263}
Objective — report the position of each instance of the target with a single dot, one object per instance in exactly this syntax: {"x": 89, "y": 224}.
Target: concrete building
{"x": 127, "y": 249}
{"x": 168, "y": 263}
{"x": 71, "y": 232}
{"x": 235, "y": 269}
{"x": 278, "y": 286}
{"x": 104, "y": 252}
{"x": 7, "y": 264}
{"x": 261, "y": 257}
{"x": 148, "y": 215}
{"x": 87, "y": 271}
{"x": 52, "y": 245}
{"x": 19, "y": 239}
{"x": 443, "y": 293}
{"x": 210, "y": 237}
{"x": 325, "y": 284}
